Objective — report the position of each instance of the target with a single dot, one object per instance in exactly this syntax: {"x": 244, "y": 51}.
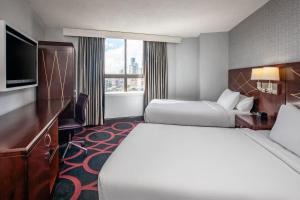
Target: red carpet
{"x": 79, "y": 173}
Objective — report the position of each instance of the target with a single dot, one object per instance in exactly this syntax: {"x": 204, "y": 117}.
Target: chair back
{"x": 80, "y": 108}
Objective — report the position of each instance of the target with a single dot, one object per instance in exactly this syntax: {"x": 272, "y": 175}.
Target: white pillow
{"x": 245, "y": 103}
{"x": 229, "y": 99}
{"x": 286, "y": 130}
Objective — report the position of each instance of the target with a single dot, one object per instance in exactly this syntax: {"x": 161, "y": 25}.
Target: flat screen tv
{"x": 20, "y": 60}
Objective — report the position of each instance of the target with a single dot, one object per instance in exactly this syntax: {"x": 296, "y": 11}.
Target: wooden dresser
{"x": 29, "y": 160}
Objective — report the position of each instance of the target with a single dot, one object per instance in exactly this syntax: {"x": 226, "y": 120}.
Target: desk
{"x": 29, "y": 160}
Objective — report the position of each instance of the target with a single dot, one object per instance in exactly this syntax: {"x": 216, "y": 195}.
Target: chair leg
{"x": 80, "y": 147}
{"x": 65, "y": 152}
{"x": 70, "y": 143}
{"x": 79, "y": 141}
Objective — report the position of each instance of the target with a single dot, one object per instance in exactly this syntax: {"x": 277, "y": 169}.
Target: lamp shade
{"x": 271, "y": 73}
{"x": 257, "y": 74}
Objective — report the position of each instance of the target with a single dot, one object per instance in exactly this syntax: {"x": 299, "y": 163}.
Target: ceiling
{"x": 183, "y": 18}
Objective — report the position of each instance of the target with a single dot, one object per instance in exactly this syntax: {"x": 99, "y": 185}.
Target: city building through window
{"x": 123, "y": 65}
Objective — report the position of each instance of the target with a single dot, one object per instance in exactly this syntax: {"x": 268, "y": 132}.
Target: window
{"x": 123, "y": 65}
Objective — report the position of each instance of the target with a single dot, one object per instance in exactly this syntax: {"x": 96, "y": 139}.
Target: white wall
{"x": 19, "y": 15}
{"x": 183, "y": 69}
{"x": 56, "y": 34}
{"x": 213, "y": 65}
{"x": 123, "y": 105}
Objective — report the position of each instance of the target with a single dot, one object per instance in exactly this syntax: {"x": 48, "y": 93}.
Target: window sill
{"x": 140, "y": 93}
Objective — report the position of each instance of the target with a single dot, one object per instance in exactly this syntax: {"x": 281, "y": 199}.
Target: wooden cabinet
{"x": 43, "y": 163}
{"x": 56, "y": 71}
{"x": 29, "y": 159}
{"x": 38, "y": 170}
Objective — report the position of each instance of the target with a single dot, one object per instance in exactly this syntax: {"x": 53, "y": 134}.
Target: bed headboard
{"x": 240, "y": 80}
{"x": 292, "y": 74}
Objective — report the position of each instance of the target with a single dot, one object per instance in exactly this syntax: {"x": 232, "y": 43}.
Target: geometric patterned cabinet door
{"x": 56, "y": 79}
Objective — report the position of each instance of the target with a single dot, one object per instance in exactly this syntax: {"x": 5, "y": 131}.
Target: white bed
{"x": 167, "y": 162}
{"x": 190, "y": 113}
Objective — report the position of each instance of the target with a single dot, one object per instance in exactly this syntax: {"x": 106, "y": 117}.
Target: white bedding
{"x": 167, "y": 162}
{"x": 190, "y": 113}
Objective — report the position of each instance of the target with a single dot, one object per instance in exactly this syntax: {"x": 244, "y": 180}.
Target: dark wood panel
{"x": 53, "y": 154}
{"x": 240, "y": 80}
{"x": 56, "y": 70}
{"x": 293, "y": 83}
{"x": 12, "y": 178}
{"x": 29, "y": 159}
{"x": 20, "y": 129}
{"x": 254, "y": 122}
{"x": 38, "y": 170}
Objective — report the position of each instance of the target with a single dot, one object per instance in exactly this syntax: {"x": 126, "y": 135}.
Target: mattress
{"x": 168, "y": 162}
{"x": 190, "y": 113}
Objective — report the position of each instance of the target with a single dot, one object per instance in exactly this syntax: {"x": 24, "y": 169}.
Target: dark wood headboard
{"x": 289, "y": 87}
{"x": 292, "y": 74}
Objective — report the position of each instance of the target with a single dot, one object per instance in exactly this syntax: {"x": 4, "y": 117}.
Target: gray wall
{"x": 183, "y": 69}
{"x": 213, "y": 65}
{"x": 19, "y": 15}
{"x": 171, "y": 48}
{"x": 270, "y": 35}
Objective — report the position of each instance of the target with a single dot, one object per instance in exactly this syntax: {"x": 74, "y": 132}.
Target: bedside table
{"x": 254, "y": 122}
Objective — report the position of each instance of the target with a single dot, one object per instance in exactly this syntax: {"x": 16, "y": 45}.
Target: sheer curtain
{"x": 155, "y": 71}
{"x": 91, "y": 77}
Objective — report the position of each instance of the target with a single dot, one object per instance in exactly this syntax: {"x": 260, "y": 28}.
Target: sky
{"x": 114, "y": 54}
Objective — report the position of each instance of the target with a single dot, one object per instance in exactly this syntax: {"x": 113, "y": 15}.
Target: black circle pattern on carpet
{"x": 78, "y": 175}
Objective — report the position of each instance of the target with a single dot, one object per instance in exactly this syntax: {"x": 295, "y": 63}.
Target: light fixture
{"x": 271, "y": 74}
{"x": 257, "y": 75}
{"x": 266, "y": 74}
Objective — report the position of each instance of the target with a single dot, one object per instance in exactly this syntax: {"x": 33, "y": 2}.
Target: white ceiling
{"x": 184, "y": 18}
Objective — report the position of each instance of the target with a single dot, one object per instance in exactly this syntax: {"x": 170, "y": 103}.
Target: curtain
{"x": 91, "y": 77}
{"x": 155, "y": 71}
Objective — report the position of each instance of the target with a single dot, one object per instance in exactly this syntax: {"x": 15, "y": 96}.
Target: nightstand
{"x": 254, "y": 122}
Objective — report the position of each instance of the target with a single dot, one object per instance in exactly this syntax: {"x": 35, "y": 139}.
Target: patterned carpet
{"x": 79, "y": 173}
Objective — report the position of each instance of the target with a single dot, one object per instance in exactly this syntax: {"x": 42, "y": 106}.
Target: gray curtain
{"x": 91, "y": 77}
{"x": 155, "y": 71}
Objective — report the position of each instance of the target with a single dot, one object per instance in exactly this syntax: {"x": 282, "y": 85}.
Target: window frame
{"x": 125, "y": 76}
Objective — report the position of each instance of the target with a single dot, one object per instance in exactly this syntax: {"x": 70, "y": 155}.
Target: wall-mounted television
{"x": 18, "y": 59}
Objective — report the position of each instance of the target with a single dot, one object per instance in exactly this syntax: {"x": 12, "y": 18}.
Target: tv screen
{"x": 21, "y": 59}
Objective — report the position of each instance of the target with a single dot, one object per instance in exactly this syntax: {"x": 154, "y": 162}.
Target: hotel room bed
{"x": 190, "y": 113}
{"x": 168, "y": 162}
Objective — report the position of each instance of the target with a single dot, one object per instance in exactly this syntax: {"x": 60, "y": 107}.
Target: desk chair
{"x": 70, "y": 125}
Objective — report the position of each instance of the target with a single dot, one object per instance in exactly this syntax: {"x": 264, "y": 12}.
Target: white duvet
{"x": 190, "y": 113}
{"x": 167, "y": 162}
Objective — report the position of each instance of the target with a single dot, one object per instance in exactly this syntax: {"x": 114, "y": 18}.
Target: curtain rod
{"x": 124, "y": 35}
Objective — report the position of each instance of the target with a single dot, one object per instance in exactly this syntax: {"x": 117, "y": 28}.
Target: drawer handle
{"x": 47, "y": 140}
{"x": 47, "y": 155}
